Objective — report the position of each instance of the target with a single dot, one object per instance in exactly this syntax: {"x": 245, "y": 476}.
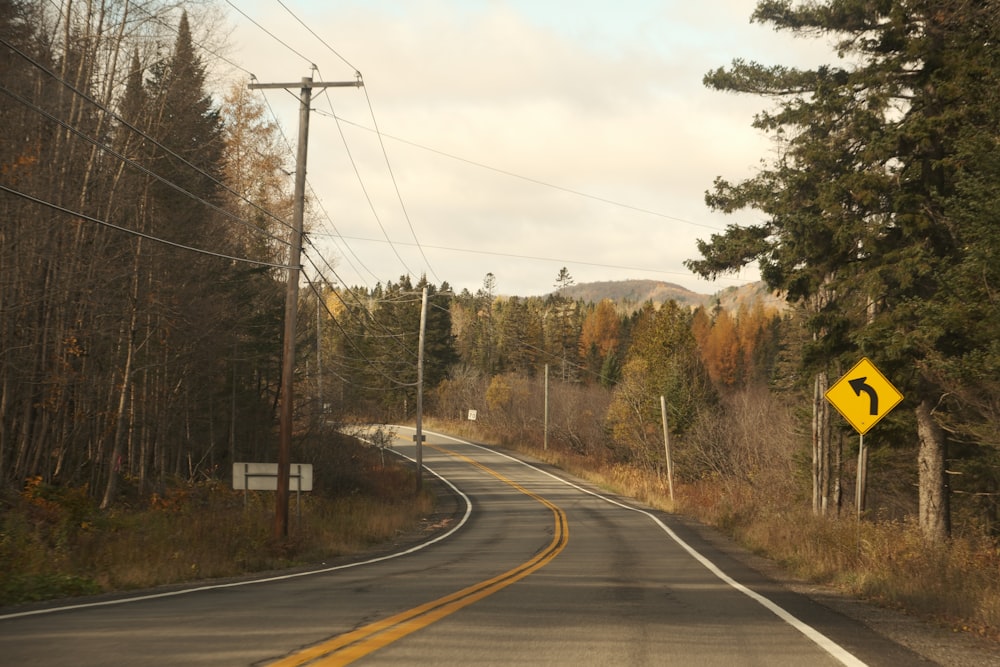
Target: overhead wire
{"x": 268, "y": 32}
{"x": 375, "y": 367}
{"x": 495, "y": 253}
{"x": 343, "y": 138}
{"x": 417, "y": 243}
{"x": 529, "y": 179}
{"x": 173, "y": 28}
{"x": 395, "y": 185}
{"x": 392, "y": 177}
{"x": 380, "y": 135}
{"x": 408, "y": 351}
{"x": 358, "y": 302}
{"x": 132, "y": 163}
{"x": 318, "y": 38}
{"x": 371, "y": 203}
{"x": 385, "y": 154}
{"x": 144, "y": 135}
{"x": 308, "y": 243}
{"x": 315, "y": 197}
{"x": 277, "y": 125}
{"x": 134, "y": 232}
{"x": 288, "y": 144}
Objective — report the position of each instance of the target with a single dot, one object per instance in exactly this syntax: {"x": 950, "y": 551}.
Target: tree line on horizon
{"x": 740, "y": 400}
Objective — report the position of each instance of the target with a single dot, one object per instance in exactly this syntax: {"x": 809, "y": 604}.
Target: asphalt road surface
{"x": 536, "y": 570}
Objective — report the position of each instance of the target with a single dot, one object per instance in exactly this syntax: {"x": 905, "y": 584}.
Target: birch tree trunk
{"x": 114, "y": 462}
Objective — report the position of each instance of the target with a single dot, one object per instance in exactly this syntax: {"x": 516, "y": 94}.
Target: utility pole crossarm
{"x": 307, "y": 83}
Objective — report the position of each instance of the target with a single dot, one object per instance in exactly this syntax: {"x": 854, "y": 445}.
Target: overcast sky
{"x": 522, "y": 135}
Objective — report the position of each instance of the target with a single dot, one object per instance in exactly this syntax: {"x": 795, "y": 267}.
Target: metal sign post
{"x": 863, "y": 396}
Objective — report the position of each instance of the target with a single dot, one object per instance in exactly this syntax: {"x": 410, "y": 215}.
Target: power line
{"x": 420, "y": 246}
{"x": 350, "y": 339}
{"x": 495, "y": 253}
{"x": 268, "y": 32}
{"x": 359, "y": 303}
{"x": 385, "y": 153}
{"x": 315, "y": 197}
{"x": 529, "y": 179}
{"x": 284, "y": 137}
{"x": 134, "y": 232}
{"x": 321, "y": 40}
{"x": 144, "y": 135}
{"x": 395, "y": 185}
{"x": 164, "y": 24}
{"x": 368, "y": 198}
{"x": 136, "y": 165}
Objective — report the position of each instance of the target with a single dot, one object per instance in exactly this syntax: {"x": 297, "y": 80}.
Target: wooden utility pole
{"x": 292, "y": 294}
{"x": 666, "y": 447}
{"x": 545, "y": 421}
{"x": 418, "y": 437}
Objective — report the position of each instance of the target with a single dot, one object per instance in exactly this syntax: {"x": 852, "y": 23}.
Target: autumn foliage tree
{"x": 662, "y": 360}
{"x": 600, "y": 340}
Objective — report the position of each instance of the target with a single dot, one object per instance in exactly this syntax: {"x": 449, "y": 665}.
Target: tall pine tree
{"x": 860, "y": 202}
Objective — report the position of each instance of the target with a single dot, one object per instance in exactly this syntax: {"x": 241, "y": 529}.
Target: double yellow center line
{"x": 347, "y": 648}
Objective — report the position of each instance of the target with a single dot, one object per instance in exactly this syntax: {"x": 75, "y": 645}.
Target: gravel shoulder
{"x": 935, "y": 643}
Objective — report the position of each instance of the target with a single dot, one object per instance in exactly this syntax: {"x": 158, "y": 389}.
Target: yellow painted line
{"x": 351, "y": 646}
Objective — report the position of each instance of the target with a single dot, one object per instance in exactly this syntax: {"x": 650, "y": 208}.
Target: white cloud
{"x": 599, "y": 98}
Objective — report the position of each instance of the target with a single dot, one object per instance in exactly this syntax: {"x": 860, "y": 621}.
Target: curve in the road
{"x": 831, "y": 647}
{"x": 347, "y": 648}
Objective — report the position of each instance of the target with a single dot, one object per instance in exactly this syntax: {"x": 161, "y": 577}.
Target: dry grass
{"x": 56, "y": 543}
{"x": 888, "y": 562}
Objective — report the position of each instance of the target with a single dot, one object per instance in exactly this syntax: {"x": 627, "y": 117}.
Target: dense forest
{"x": 145, "y": 229}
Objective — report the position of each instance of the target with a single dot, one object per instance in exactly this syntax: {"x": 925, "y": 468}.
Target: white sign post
{"x": 264, "y": 477}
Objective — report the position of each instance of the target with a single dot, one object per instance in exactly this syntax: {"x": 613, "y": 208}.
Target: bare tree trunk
{"x": 144, "y": 437}
{"x": 934, "y": 507}
{"x": 837, "y": 492}
{"x": 4, "y": 393}
{"x": 126, "y": 386}
{"x": 820, "y": 447}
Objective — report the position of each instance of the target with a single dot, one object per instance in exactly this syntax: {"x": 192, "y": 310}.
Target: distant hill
{"x": 750, "y": 294}
{"x": 635, "y": 292}
{"x": 631, "y": 294}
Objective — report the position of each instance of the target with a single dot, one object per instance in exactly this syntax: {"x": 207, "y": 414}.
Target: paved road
{"x": 539, "y": 571}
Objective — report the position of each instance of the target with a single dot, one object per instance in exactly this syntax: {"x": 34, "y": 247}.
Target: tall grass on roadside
{"x": 55, "y": 542}
{"x": 956, "y": 583}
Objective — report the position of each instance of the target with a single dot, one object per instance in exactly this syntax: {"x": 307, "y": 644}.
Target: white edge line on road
{"x": 824, "y": 642}
{"x": 249, "y": 582}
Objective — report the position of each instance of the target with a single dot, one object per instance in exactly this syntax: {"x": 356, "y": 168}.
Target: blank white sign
{"x": 264, "y": 477}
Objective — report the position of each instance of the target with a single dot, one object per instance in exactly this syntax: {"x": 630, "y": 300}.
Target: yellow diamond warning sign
{"x": 863, "y": 396}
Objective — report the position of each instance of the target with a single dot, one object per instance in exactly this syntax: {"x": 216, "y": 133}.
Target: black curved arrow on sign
{"x": 861, "y": 385}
